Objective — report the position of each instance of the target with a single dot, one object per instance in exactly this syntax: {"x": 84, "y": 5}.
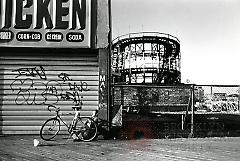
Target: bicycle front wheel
{"x": 50, "y": 129}
{"x": 86, "y": 129}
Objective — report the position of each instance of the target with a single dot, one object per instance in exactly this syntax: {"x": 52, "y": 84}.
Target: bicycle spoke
{"x": 50, "y": 129}
{"x": 86, "y": 129}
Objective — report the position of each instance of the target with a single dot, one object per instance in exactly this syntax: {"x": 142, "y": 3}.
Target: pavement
{"x": 21, "y": 147}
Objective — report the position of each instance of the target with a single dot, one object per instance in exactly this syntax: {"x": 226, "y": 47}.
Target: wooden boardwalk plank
{"x": 20, "y": 147}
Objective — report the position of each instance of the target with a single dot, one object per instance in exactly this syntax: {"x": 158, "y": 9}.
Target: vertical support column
{"x": 103, "y": 32}
{"x": 103, "y": 44}
{"x": 104, "y": 87}
{"x": 211, "y": 93}
{"x": 238, "y": 98}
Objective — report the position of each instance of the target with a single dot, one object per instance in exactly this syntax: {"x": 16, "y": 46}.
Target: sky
{"x": 208, "y": 30}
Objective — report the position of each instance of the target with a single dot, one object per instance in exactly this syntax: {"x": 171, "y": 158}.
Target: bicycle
{"x": 81, "y": 128}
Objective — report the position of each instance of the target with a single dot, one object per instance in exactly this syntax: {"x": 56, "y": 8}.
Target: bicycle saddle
{"x": 76, "y": 108}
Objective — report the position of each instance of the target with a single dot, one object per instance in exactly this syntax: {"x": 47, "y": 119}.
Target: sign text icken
{"x": 38, "y": 14}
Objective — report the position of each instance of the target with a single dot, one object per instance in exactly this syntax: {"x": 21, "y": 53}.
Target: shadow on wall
{"x": 1, "y": 92}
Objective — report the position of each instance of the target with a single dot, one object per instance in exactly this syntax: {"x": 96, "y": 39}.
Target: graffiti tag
{"x": 31, "y": 92}
{"x": 31, "y": 72}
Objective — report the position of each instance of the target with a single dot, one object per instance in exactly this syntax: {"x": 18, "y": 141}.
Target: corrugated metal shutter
{"x": 28, "y": 84}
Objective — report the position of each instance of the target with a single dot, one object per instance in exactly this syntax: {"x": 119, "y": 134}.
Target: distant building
{"x": 146, "y": 58}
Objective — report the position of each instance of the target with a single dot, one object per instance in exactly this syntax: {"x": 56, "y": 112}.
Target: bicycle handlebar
{"x": 57, "y": 109}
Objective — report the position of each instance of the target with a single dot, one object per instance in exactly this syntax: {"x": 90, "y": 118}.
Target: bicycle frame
{"x": 70, "y": 127}
{"x": 80, "y": 128}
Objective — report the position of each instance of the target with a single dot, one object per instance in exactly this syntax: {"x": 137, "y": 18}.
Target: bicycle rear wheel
{"x": 50, "y": 129}
{"x": 86, "y": 129}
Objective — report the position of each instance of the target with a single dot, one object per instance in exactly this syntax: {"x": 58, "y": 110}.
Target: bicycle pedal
{"x": 74, "y": 136}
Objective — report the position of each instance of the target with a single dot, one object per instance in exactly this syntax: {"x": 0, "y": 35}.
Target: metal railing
{"x": 217, "y": 98}
{"x": 173, "y": 98}
{"x": 152, "y": 99}
{"x": 184, "y": 109}
{"x": 142, "y": 34}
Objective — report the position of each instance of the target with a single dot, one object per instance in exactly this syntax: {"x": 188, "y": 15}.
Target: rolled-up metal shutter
{"x": 29, "y": 83}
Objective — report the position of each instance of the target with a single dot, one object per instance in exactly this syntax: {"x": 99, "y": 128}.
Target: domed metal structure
{"x": 146, "y": 57}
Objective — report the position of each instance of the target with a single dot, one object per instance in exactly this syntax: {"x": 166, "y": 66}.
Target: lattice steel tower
{"x": 146, "y": 57}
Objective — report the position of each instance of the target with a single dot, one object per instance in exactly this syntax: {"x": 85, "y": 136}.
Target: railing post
{"x": 192, "y": 109}
{"x": 182, "y": 122}
{"x": 238, "y": 98}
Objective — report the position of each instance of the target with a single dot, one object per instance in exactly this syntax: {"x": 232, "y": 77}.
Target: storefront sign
{"x": 45, "y": 23}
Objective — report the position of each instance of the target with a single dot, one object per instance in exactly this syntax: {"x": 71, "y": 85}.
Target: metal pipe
{"x": 192, "y": 116}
